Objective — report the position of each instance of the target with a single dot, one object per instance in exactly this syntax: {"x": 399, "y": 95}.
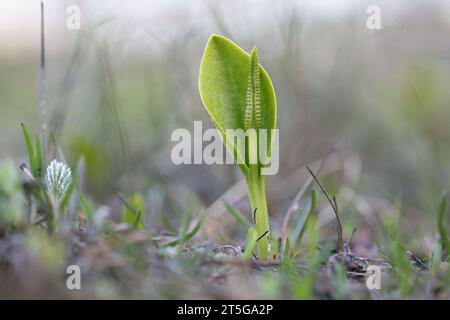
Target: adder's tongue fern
{"x": 238, "y": 94}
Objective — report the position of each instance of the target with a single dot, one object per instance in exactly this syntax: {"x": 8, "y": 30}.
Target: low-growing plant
{"x": 50, "y": 187}
{"x": 238, "y": 95}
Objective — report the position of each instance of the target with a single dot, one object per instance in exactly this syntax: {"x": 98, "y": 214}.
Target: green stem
{"x": 257, "y": 196}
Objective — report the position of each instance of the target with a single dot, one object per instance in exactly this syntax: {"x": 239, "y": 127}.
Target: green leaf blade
{"x": 239, "y": 217}
{"x": 227, "y": 88}
{"x": 30, "y": 149}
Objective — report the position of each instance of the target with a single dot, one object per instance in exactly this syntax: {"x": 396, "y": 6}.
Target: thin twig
{"x": 26, "y": 171}
{"x": 335, "y": 209}
{"x": 335, "y": 203}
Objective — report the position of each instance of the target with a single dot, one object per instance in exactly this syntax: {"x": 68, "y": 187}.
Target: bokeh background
{"x": 120, "y": 85}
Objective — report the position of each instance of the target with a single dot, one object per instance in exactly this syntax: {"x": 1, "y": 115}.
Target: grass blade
{"x": 186, "y": 236}
{"x": 287, "y": 249}
{"x": 30, "y": 148}
{"x": 239, "y": 217}
{"x": 87, "y": 208}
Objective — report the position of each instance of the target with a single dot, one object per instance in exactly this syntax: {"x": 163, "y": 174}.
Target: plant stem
{"x": 257, "y": 196}
{"x": 42, "y": 82}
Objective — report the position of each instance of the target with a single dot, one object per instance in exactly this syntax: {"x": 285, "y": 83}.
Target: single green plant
{"x": 238, "y": 95}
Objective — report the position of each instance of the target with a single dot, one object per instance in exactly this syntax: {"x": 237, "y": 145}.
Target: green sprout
{"x": 238, "y": 95}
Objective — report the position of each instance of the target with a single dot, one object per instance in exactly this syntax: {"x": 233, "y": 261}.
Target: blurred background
{"x": 119, "y": 86}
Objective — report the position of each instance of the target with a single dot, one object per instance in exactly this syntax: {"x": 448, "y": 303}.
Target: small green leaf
{"x": 30, "y": 148}
{"x": 237, "y": 215}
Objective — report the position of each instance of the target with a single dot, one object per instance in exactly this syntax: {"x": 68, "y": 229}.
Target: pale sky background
{"x": 19, "y": 19}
